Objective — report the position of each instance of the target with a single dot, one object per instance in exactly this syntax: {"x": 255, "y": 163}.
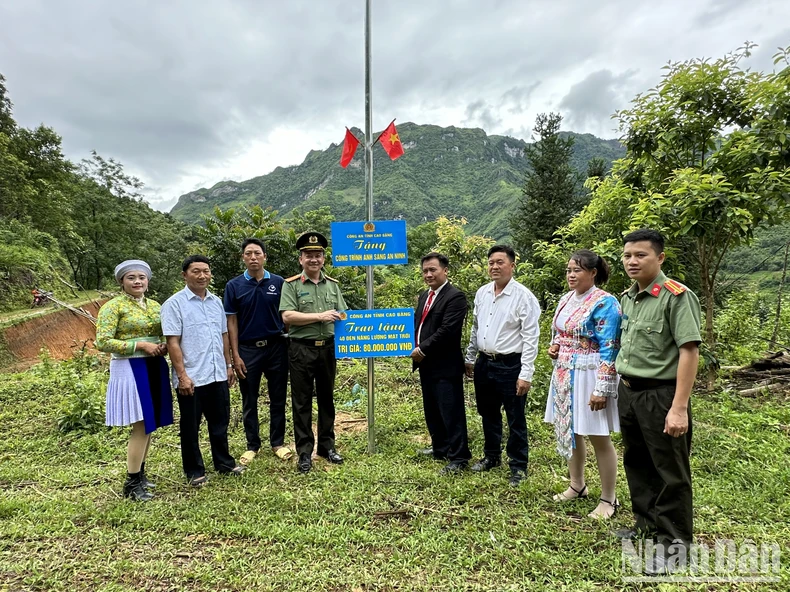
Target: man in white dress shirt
{"x": 501, "y": 359}
{"x": 194, "y": 322}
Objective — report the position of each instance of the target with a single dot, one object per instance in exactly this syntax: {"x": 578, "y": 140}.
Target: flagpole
{"x": 369, "y": 205}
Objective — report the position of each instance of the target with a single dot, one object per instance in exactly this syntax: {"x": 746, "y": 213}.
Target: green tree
{"x": 707, "y": 164}
{"x": 551, "y": 194}
{"x": 223, "y": 232}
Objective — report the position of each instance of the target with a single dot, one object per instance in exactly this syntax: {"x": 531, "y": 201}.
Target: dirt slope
{"x": 59, "y": 331}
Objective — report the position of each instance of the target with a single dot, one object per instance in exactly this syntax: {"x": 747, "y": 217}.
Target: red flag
{"x": 349, "y": 148}
{"x": 390, "y": 141}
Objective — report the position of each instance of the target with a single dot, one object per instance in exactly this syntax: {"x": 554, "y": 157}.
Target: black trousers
{"x": 495, "y": 388}
{"x": 270, "y": 361}
{"x": 213, "y": 402}
{"x": 312, "y": 370}
{"x": 445, "y": 415}
{"x": 656, "y": 464}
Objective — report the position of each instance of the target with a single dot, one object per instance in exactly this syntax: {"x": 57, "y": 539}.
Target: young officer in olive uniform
{"x": 310, "y": 303}
{"x": 657, "y": 364}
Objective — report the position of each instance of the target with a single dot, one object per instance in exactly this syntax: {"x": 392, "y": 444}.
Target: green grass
{"x": 64, "y": 526}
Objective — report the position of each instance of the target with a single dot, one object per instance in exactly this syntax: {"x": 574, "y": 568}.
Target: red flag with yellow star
{"x": 349, "y": 148}
{"x": 390, "y": 141}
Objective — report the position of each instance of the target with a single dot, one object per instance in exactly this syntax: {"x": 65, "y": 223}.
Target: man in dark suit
{"x": 438, "y": 324}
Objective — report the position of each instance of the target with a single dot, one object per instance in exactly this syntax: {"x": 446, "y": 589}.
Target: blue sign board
{"x": 369, "y": 243}
{"x": 375, "y": 333}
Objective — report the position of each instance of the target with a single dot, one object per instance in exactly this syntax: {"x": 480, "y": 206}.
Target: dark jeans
{"x": 495, "y": 387}
{"x": 270, "y": 361}
{"x": 656, "y": 464}
{"x": 313, "y": 367}
{"x": 445, "y": 415}
{"x": 213, "y": 402}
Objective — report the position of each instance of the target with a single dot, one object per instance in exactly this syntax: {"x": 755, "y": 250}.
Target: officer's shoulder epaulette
{"x": 674, "y": 287}
{"x": 293, "y": 278}
{"x": 331, "y": 279}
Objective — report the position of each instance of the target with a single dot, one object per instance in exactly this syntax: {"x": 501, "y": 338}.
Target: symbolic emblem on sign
{"x": 369, "y": 227}
{"x": 343, "y": 316}
{"x": 313, "y": 239}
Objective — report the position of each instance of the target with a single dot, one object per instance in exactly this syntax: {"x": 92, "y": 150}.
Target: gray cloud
{"x": 592, "y": 101}
{"x": 184, "y": 89}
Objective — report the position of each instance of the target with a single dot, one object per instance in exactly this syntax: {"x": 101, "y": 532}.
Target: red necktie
{"x": 425, "y": 311}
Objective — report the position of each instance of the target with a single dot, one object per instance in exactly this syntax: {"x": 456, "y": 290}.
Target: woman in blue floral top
{"x": 582, "y": 395}
{"x": 138, "y": 393}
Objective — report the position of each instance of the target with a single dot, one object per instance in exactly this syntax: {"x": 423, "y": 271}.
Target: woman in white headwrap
{"x": 138, "y": 393}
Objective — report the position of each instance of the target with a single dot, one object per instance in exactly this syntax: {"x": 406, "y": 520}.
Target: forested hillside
{"x": 445, "y": 172}
{"x": 65, "y": 224}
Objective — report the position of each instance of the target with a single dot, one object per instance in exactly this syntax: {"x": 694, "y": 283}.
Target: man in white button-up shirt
{"x": 194, "y": 322}
{"x": 501, "y": 359}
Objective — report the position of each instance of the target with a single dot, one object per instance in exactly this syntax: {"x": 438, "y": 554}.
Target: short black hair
{"x": 589, "y": 260}
{"x": 654, "y": 237}
{"x": 443, "y": 260}
{"x": 506, "y": 249}
{"x": 194, "y": 259}
{"x": 253, "y": 241}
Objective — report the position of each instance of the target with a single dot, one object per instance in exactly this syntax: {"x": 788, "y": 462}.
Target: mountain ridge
{"x": 449, "y": 171}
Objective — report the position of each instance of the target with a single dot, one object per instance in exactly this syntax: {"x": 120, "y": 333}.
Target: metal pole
{"x": 369, "y": 204}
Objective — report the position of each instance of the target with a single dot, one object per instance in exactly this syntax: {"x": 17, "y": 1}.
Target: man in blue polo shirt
{"x": 255, "y": 330}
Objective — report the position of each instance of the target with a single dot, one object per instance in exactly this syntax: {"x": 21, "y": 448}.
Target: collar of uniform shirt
{"x": 248, "y": 277}
{"x": 634, "y": 290}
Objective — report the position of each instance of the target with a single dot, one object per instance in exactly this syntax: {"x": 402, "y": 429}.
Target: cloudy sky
{"x": 186, "y": 93}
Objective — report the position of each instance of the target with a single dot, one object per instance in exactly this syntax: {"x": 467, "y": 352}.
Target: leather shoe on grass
{"x": 332, "y": 456}
{"x": 486, "y": 464}
{"x": 454, "y": 467}
{"x": 516, "y": 477}
{"x": 305, "y": 463}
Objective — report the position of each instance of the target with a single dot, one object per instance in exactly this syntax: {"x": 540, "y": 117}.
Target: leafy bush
{"x": 80, "y": 385}
{"x": 83, "y": 408}
{"x": 744, "y": 327}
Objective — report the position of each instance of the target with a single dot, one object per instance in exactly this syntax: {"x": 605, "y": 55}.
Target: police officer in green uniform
{"x": 310, "y": 304}
{"x": 657, "y": 364}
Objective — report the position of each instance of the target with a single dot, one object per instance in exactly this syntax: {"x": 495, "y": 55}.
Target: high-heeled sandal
{"x": 580, "y": 494}
{"x": 615, "y": 505}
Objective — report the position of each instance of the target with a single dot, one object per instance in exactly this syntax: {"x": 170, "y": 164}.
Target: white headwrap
{"x": 131, "y": 265}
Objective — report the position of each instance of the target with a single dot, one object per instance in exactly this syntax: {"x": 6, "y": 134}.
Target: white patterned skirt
{"x": 139, "y": 390}
{"x": 585, "y": 421}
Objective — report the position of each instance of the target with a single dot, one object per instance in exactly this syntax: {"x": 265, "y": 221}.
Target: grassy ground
{"x": 63, "y": 525}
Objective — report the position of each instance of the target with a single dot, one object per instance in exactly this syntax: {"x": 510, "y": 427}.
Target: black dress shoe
{"x": 454, "y": 467}
{"x": 148, "y": 485}
{"x": 305, "y": 463}
{"x": 486, "y": 464}
{"x": 332, "y": 456}
{"x": 133, "y": 489}
{"x": 516, "y": 477}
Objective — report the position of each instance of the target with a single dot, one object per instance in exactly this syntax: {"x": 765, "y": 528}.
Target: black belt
{"x": 502, "y": 357}
{"x": 641, "y": 384}
{"x": 261, "y": 342}
{"x": 314, "y": 342}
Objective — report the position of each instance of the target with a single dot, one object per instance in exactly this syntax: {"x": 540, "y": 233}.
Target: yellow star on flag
{"x": 394, "y": 138}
